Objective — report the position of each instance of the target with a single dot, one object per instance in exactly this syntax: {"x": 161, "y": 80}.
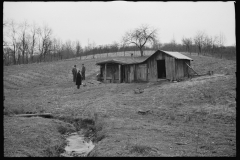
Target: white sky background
{"x": 106, "y": 22}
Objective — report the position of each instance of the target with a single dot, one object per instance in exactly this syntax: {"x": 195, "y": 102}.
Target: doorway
{"x": 161, "y": 69}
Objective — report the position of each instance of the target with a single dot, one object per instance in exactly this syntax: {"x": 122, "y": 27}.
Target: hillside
{"x": 195, "y": 117}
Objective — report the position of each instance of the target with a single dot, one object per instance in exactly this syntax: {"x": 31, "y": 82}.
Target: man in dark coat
{"x": 78, "y": 79}
{"x": 83, "y": 72}
{"x": 74, "y": 72}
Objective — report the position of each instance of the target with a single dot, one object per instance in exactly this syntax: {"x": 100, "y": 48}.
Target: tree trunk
{"x": 141, "y": 51}
{"x": 14, "y": 57}
{"x": 23, "y": 56}
{"x": 32, "y": 57}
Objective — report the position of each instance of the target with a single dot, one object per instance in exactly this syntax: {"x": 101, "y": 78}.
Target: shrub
{"x": 62, "y": 129}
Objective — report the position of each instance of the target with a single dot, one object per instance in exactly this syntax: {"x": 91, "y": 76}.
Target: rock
{"x": 143, "y": 112}
{"x": 138, "y": 91}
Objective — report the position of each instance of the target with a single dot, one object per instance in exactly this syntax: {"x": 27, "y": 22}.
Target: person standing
{"x": 83, "y": 72}
{"x": 78, "y": 79}
{"x": 74, "y": 72}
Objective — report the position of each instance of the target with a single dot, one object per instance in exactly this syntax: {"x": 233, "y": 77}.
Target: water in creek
{"x": 77, "y": 146}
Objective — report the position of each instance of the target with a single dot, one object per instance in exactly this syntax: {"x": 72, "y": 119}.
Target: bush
{"x": 62, "y": 129}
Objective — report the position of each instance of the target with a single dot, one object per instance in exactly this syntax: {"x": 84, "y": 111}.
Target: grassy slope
{"x": 33, "y": 137}
{"x": 189, "y": 118}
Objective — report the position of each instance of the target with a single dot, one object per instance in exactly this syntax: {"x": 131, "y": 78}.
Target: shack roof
{"x": 140, "y": 59}
{"x": 177, "y": 55}
{"x": 124, "y": 60}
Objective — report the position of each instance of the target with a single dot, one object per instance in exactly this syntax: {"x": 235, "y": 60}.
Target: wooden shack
{"x": 158, "y": 65}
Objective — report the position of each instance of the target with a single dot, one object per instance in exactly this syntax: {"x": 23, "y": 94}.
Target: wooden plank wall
{"x": 170, "y": 68}
{"x": 132, "y": 72}
{"x": 179, "y": 64}
{"x": 185, "y": 68}
{"x": 127, "y": 72}
{"x": 141, "y": 72}
{"x": 152, "y": 68}
{"x": 182, "y": 68}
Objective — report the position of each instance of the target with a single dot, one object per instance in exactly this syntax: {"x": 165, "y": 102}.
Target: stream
{"x": 77, "y": 146}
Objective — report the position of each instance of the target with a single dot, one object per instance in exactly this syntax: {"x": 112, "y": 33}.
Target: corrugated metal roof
{"x": 140, "y": 59}
{"x": 177, "y": 55}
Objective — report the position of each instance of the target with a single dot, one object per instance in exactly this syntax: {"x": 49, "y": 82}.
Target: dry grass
{"x": 33, "y": 137}
{"x": 191, "y": 118}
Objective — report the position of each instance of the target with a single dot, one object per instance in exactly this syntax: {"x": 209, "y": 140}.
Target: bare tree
{"x": 5, "y": 32}
{"x": 199, "y": 39}
{"x": 214, "y": 42}
{"x": 156, "y": 45}
{"x": 18, "y": 50}
{"x": 44, "y": 41}
{"x": 54, "y": 47}
{"x": 221, "y": 42}
{"x": 6, "y": 55}
{"x": 173, "y": 44}
{"x": 207, "y": 43}
{"x": 188, "y": 43}
{"x": 33, "y": 42}
{"x": 61, "y": 49}
{"x": 23, "y": 39}
{"x": 123, "y": 45}
{"x": 14, "y": 39}
{"x": 140, "y": 37}
{"x": 69, "y": 48}
{"x": 114, "y": 47}
{"x": 78, "y": 49}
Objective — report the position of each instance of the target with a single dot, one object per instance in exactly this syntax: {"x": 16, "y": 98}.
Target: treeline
{"x": 30, "y": 43}
{"x": 202, "y": 44}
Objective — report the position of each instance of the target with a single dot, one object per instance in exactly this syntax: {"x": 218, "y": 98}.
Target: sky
{"x": 105, "y": 22}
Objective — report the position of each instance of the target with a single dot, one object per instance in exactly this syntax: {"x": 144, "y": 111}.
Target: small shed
{"x": 158, "y": 65}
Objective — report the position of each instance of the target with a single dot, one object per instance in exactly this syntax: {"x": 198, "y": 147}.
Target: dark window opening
{"x": 161, "y": 68}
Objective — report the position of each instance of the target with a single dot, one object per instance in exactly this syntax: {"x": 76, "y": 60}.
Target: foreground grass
{"x": 34, "y": 137}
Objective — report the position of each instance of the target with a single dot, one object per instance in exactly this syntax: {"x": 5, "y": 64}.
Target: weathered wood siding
{"x": 170, "y": 68}
{"x": 152, "y": 68}
{"x": 132, "y": 72}
{"x": 141, "y": 72}
{"x": 179, "y": 64}
{"x": 181, "y": 68}
{"x": 127, "y": 73}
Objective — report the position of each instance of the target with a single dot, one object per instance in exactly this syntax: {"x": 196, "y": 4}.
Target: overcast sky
{"x": 106, "y": 22}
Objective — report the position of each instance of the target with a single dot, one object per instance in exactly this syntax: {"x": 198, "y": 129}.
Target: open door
{"x": 161, "y": 69}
